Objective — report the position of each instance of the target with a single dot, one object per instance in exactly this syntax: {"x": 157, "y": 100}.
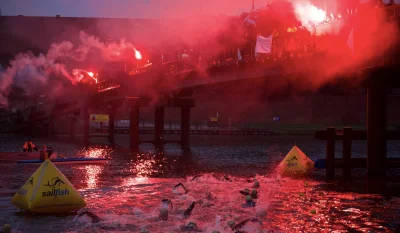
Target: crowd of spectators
{"x": 291, "y": 39}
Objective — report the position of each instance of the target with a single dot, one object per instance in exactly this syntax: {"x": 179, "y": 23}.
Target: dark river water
{"x": 127, "y": 192}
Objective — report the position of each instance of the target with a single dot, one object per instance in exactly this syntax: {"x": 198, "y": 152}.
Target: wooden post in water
{"x": 376, "y": 130}
{"x": 134, "y": 126}
{"x": 330, "y": 153}
{"x": 347, "y": 141}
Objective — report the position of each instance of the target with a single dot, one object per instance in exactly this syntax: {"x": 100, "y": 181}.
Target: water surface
{"x": 126, "y": 193}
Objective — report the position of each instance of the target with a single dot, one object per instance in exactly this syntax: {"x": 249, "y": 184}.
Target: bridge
{"x": 156, "y": 89}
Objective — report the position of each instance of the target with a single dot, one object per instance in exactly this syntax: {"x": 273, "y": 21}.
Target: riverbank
{"x": 276, "y": 128}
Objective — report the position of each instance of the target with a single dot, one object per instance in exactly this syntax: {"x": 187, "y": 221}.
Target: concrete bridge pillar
{"x": 159, "y": 127}
{"x": 134, "y": 126}
{"x": 185, "y": 127}
{"x": 376, "y": 130}
{"x": 86, "y": 119}
{"x": 50, "y": 127}
{"x": 111, "y": 125}
{"x": 72, "y": 123}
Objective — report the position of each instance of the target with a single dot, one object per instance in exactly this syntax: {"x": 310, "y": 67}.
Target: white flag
{"x": 239, "y": 55}
{"x": 350, "y": 41}
{"x": 249, "y": 22}
{"x": 264, "y": 44}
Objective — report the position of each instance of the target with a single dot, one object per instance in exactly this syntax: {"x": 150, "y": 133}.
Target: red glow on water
{"x": 95, "y": 153}
{"x": 143, "y": 170}
{"x": 92, "y": 173}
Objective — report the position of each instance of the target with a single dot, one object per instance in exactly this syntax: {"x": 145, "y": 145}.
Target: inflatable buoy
{"x": 48, "y": 191}
{"x": 295, "y": 163}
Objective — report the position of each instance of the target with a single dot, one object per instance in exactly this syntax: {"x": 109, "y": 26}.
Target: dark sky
{"x": 125, "y": 8}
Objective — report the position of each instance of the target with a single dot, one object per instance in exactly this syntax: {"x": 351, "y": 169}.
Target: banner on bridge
{"x": 214, "y": 119}
{"x": 99, "y": 118}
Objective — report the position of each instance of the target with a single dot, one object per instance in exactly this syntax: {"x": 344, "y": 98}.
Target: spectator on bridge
{"x": 185, "y": 55}
{"x": 29, "y": 146}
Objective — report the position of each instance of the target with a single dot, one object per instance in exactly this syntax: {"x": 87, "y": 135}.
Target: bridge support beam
{"x": 185, "y": 127}
{"x": 72, "y": 123}
{"x": 50, "y": 127}
{"x": 111, "y": 126}
{"x": 159, "y": 127}
{"x": 86, "y": 119}
{"x": 134, "y": 126}
{"x": 376, "y": 130}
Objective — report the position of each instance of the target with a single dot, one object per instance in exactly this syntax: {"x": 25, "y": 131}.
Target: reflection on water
{"x": 92, "y": 175}
{"x": 126, "y": 193}
{"x": 94, "y": 152}
{"x": 146, "y": 164}
{"x": 143, "y": 166}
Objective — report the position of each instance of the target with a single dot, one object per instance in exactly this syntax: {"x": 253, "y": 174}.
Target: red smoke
{"x": 212, "y": 36}
{"x": 361, "y": 38}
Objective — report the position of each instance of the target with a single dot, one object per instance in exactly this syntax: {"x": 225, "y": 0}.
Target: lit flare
{"x": 307, "y": 13}
{"x": 138, "y": 55}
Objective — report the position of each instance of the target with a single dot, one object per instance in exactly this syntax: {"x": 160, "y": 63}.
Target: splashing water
{"x": 283, "y": 205}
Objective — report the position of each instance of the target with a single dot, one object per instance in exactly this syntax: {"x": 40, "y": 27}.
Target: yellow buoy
{"x": 295, "y": 163}
{"x": 48, "y": 191}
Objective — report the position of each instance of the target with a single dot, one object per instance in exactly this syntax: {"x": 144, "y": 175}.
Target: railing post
{"x": 330, "y": 153}
{"x": 376, "y": 130}
{"x": 347, "y": 142}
